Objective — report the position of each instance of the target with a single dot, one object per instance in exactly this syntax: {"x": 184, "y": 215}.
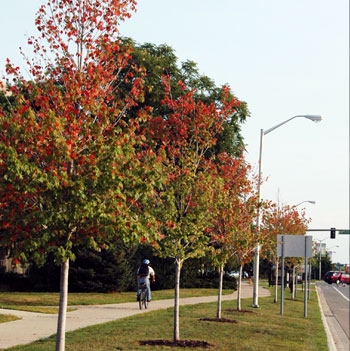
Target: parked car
{"x": 343, "y": 278}
{"x": 331, "y": 277}
{"x": 235, "y": 274}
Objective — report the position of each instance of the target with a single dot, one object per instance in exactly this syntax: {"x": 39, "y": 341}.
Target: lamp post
{"x": 310, "y": 202}
{"x": 320, "y": 258}
{"x": 314, "y": 118}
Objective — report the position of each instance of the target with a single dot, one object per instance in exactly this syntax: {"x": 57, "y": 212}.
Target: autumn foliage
{"x": 84, "y": 161}
{"x": 280, "y": 220}
{"x": 73, "y": 165}
{"x": 183, "y": 140}
{"x": 232, "y": 225}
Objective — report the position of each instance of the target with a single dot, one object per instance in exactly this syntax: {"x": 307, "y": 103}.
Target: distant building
{"x": 7, "y": 266}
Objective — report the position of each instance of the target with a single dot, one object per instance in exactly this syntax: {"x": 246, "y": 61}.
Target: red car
{"x": 343, "y": 278}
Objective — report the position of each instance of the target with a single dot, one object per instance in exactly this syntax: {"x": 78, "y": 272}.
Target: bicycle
{"x": 143, "y": 296}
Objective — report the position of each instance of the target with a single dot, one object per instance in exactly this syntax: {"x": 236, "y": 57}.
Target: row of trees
{"x": 112, "y": 142}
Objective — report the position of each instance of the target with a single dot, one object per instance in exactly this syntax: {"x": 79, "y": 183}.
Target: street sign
{"x": 294, "y": 245}
{"x": 345, "y": 232}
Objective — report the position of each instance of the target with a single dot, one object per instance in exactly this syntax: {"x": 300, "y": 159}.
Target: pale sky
{"x": 284, "y": 58}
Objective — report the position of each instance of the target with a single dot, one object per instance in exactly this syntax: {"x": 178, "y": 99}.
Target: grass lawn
{"x": 257, "y": 329}
{"x": 7, "y": 318}
{"x": 38, "y": 309}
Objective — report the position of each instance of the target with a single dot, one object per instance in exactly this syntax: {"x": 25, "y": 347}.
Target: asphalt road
{"x": 338, "y": 301}
{"x": 338, "y": 315}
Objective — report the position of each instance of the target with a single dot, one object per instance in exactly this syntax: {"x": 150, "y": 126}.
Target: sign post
{"x": 294, "y": 246}
{"x": 305, "y": 281}
{"x": 310, "y": 271}
{"x": 282, "y": 277}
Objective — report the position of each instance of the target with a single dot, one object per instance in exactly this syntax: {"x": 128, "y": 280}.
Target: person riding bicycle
{"x": 144, "y": 273}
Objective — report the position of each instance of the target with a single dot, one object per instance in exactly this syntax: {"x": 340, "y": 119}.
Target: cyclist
{"x": 144, "y": 273}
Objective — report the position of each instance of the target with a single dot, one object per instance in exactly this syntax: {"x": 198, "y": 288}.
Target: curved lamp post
{"x": 314, "y": 118}
{"x": 310, "y": 202}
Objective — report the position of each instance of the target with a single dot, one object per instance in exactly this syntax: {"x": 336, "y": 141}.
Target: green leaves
{"x": 78, "y": 170}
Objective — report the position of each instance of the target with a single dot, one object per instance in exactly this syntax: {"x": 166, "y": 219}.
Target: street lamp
{"x": 320, "y": 258}
{"x": 310, "y": 202}
{"x": 314, "y": 118}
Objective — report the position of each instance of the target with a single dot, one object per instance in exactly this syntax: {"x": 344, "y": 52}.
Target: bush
{"x": 14, "y": 282}
{"x": 104, "y": 271}
{"x": 115, "y": 270}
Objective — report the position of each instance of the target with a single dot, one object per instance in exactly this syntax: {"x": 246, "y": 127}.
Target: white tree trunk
{"x": 293, "y": 284}
{"x": 239, "y": 289}
{"x": 62, "y": 313}
{"x": 276, "y": 281}
{"x": 177, "y": 300}
{"x": 218, "y": 311}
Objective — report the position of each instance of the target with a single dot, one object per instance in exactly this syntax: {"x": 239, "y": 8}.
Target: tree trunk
{"x": 293, "y": 284}
{"x": 276, "y": 281}
{"x": 177, "y": 302}
{"x": 218, "y": 311}
{"x": 239, "y": 289}
{"x": 62, "y": 313}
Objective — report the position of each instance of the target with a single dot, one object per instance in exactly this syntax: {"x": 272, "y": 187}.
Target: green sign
{"x": 344, "y": 232}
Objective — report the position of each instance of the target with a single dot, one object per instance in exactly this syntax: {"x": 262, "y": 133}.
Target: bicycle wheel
{"x": 145, "y": 301}
{"x": 140, "y": 301}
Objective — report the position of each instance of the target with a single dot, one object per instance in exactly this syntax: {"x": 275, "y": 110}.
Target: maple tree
{"x": 232, "y": 227}
{"x": 74, "y": 169}
{"x": 159, "y": 60}
{"x": 280, "y": 220}
{"x": 183, "y": 139}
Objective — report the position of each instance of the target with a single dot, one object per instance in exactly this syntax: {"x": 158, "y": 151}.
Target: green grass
{"x": 262, "y": 328}
{"x": 7, "y": 318}
{"x": 38, "y": 309}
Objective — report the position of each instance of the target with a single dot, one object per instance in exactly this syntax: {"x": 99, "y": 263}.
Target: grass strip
{"x": 257, "y": 329}
{"x": 4, "y": 318}
{"x": 38, "y": 309}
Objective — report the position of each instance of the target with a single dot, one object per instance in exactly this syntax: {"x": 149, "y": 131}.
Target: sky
{"x": 284, "y": 58}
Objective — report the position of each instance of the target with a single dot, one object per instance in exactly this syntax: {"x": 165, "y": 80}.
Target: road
{"x": 338, "y": 312}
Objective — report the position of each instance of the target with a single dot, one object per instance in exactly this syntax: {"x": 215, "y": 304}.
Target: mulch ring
{"x": 179, "y": 343}
{"x": 221, "y": 320}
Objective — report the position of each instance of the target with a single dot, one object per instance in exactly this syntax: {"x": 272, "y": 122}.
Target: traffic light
{"x": 332, "y": 233}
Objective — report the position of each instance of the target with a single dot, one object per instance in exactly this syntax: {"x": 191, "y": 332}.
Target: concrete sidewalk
{"x": 35, "y": 326}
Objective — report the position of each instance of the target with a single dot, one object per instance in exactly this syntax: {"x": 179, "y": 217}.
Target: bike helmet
{"x": 146, "y": 261}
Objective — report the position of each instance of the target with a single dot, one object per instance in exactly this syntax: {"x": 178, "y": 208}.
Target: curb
{"x": 330, "y": 340}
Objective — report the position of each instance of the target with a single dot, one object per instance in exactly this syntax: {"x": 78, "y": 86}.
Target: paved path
{"x": 35, "y": 326}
